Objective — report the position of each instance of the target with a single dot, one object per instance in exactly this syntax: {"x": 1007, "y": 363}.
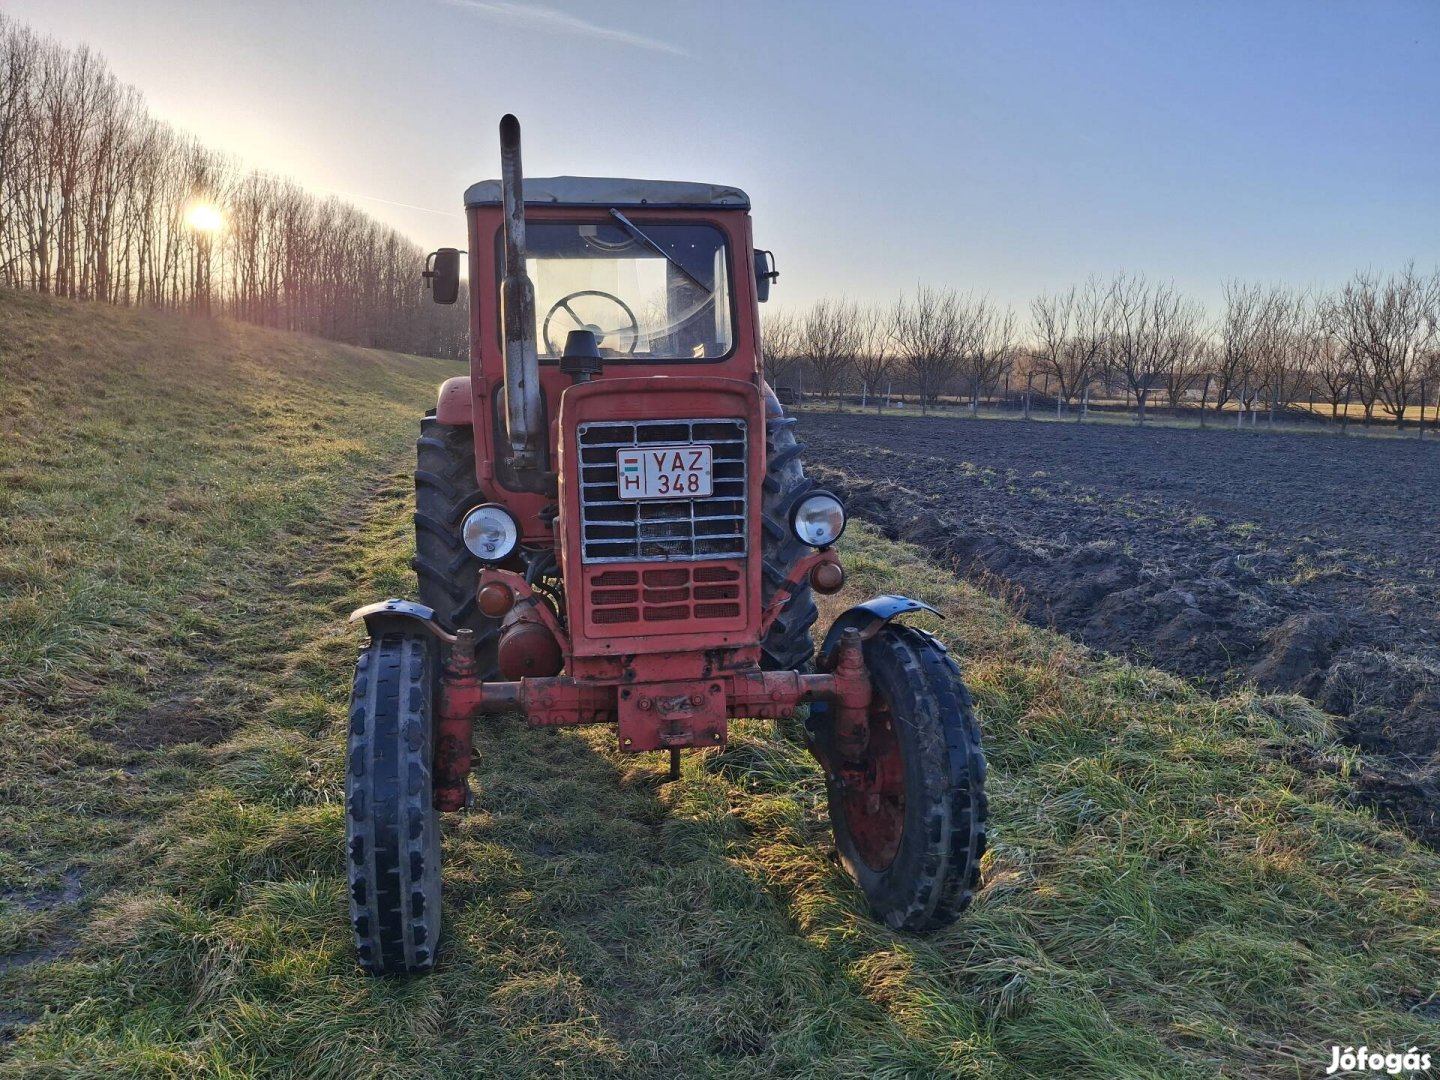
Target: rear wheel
{"x": 392, "y": 830}
{"x": 445, "y": 491}
{"x": 909, "y": 819}
{"x": 788, "y": 646}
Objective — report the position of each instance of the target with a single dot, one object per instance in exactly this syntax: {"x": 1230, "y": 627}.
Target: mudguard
{"x": 455, "y": 404}
{"x": 394, "y": 610}
{"x": 868, "y": 618}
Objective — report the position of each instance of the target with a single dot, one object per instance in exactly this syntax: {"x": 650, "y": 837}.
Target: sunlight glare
{"x": 205, "y": 218}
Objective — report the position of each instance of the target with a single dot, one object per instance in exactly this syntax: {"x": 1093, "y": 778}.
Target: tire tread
{"x": 789, "y": 645}
{"x": 933, "y": 890}
{"x": 445, "y": 571}
{"x": 392, "y": 829}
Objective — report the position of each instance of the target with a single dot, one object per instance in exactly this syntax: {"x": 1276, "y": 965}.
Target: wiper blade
{"x": 630, "y": 227}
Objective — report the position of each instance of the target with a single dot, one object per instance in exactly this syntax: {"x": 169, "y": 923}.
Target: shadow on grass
{"x": 611, "y": 924}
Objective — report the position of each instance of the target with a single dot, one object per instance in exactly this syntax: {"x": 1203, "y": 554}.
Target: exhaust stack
{"x": 524, "y": 416}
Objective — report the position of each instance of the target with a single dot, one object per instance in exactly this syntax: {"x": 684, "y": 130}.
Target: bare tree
{"x": 930, "y": 339}
{"x": 1432, "y": 378}
{"x": 1237, "y": 358}
{"x": 1275, "y": 345}
{"x": 780, "y": 348}
{"x": 19, "y": 58}
{"x": 94, "y": 195}
{"x": 830, "y": 337}
{"x": 1070, "y": 334}
{"x": 1320, "y": 358}
{"x": 1389, "y": 325}
{"x": 1143, "y": 324}
{"x": 1184, "y": 358}
{"x": 988, "y": 347}
{"x": 1207, "y": 356}
{"x": 875, "y": 357}
{"x": 1335, "y": 369}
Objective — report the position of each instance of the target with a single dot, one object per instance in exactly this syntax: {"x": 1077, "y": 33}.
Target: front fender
{"x": 868, "y": 618}
{"x": 455, "y": 404}
{"x": 405, "y": 612}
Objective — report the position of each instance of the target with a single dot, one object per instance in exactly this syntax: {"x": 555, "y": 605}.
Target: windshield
{"x": 649, "y": 292}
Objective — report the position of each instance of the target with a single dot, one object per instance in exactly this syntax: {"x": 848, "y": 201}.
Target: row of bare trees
{"x": 100, "y": 201}
{"x": 934, "y": 341}
{"x": 1375, "y": 344}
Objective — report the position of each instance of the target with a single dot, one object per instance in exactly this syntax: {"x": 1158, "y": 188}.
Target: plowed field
{"x": 1304, "y": 563}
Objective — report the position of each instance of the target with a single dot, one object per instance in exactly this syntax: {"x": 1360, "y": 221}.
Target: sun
{"x": 205, "y": 218}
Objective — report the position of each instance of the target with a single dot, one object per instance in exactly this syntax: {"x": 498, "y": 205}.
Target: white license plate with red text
{"x": 664, "y": 472}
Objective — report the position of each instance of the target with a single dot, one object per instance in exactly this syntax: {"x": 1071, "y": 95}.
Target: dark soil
{"x": 173, "y": 722}
{"x": 1301, "y": 563}
{"x": 71, "y": 889}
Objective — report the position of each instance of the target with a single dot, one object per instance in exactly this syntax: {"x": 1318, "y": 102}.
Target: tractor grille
{"x": 671, "y": 594}
{"x": 661, "y": 530}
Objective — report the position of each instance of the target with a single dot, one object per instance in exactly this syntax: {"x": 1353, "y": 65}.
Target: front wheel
{"x": 391, "y": 826}
{"x": 909, "y": 819}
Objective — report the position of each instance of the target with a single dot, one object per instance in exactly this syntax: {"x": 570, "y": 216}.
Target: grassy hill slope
{"x": 1176, "y": 886}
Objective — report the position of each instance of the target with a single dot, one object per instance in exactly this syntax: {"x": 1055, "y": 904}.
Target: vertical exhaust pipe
{"x": 524, "y": 416}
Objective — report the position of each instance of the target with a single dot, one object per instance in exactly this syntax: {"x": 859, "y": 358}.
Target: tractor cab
{"x": 644, "y": 265}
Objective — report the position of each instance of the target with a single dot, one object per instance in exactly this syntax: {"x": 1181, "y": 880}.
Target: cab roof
{"x": 610, "y": 191}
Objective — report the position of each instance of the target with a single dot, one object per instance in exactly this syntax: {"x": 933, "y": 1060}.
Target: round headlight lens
{"x": 490, "y": 532}
{"x": 819, "y": 519}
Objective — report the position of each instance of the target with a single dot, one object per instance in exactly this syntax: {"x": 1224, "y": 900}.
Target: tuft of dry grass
{"x": 1166, "y": 895}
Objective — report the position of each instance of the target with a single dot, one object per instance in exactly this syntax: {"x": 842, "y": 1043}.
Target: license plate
{"x": 664, "y": 472}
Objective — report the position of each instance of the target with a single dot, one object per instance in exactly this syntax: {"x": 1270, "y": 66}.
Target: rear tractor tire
{"x": 392, "y": 830}
{"x": 788, "y": 646}
{"x": 909, "y": 820}
{"x": 445, "y": 491}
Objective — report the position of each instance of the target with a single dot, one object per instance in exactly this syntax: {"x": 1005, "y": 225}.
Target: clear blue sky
{"x": 1004, "y": 146}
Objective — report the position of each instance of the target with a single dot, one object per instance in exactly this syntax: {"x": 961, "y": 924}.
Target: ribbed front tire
{"x": 910, "y": 819}
{"x": 392, "y": 830}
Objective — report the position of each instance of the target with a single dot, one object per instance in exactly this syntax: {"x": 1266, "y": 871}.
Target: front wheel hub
{"x": 874, "y": 793}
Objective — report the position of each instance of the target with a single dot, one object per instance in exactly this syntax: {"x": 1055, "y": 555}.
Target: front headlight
{"x": 819, "y": 519}
{"x": 490, "y": 532}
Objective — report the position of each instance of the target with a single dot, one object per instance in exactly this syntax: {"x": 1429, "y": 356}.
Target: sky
{"x": 1007, "y": 147}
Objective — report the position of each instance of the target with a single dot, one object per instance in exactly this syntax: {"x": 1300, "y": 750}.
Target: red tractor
{"x": 612, "y": 526}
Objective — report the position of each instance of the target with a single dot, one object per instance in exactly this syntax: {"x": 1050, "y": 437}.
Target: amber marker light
{"x": 495, "y": 599}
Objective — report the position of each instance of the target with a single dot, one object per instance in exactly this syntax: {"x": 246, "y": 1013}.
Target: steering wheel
{"x": 563, "y": 304}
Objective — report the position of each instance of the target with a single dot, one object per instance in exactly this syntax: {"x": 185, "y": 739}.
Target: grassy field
{"x": 1176, "y": 886}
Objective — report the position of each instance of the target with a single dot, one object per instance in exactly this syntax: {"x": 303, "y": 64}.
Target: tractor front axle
{"x": 649, "y": 715}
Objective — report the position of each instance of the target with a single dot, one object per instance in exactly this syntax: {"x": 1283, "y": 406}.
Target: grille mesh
{"x": 661, "y": 530}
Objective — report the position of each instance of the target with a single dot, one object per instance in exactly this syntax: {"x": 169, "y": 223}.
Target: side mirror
{"x": 442, "y": 275}
{"x": 765, "y": 273}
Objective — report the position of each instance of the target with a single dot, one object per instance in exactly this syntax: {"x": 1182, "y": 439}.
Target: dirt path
{"x": 1306, "y": 564}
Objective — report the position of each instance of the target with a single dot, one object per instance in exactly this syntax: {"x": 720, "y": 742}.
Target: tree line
{"x": 101, "y": 201}
{"x": 1373, "y": 344}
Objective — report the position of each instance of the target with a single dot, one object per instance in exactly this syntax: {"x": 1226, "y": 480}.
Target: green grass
{"x": 1177, "y": 886}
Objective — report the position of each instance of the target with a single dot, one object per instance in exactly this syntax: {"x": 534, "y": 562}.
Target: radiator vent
{"x": 661, "y": 530}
